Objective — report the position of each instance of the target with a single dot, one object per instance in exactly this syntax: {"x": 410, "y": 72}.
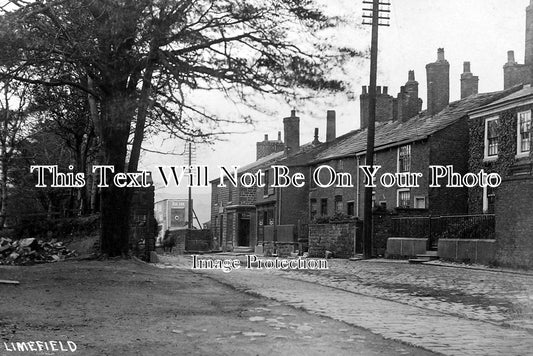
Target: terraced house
{"x": 406, "y": 143}
{"x": 243, "y": 217}
{"x": 407, "y": 140}
{"x": 501, "y": 143}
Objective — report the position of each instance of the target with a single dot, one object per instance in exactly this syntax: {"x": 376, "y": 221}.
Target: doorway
{"x": 244, "y": 230}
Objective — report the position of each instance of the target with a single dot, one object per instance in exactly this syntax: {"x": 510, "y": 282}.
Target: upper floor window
{"x": 313, "y": 208}
{"x": 215, "y": 189}
{"x": 324, "y": 206}
{"x": 492, "y": 127}
{"x": 523, "y": 133}
{"x": 339, "y": 206}
{"x": 404, "y": 158}
{"x": 351, "y": 208}
{"x": 230, "y": 192}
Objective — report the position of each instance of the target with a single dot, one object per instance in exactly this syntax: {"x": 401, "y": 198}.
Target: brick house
{"x": 406, "y": 143}
{"x": 500, "y": 131}
{"x": 240, "y": 215}
{"x": 233, "y": 213}
{"x": 501, "y": 143}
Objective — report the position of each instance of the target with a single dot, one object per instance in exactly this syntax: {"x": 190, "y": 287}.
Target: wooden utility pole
{"x": 375, "y": 22}
{"x": 189, "y": 205}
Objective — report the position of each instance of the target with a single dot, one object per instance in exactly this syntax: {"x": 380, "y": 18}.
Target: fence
{"x": 477, "y": 227}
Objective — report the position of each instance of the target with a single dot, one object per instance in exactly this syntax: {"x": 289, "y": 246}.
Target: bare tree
{"x": 65, "y": 113}
{"x": 13, "y": 117}
{"x": 143, "y": 60}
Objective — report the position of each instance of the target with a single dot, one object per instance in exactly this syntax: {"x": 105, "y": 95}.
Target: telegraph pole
{"x": 189, "y": 204}
{"x": 376, "y": 20}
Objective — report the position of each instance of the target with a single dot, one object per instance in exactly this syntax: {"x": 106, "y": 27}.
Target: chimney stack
{"x": 529, "y": 35}
{"x": 330, "y": 126}
{"x": 408, "y": 104}
{"x": 266, "y": 147}
{"x": 384, "y": 105}
{"x": 438, "y": 81}
{"x": 291, "y": 127}
{"x": 469, "y": 82}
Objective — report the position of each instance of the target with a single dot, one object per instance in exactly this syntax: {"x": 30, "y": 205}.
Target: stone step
{"x": 431, "y": 255}
{"x": 243, "y": 249}
{"x": 419, "y": 260}
{"x": 431, "y": 252}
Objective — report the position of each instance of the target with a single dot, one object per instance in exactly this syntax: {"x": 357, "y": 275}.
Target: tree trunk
{"x": 3, "y": 192}
{"x": 142, "y": 111}
{"x": 115, "y": 202}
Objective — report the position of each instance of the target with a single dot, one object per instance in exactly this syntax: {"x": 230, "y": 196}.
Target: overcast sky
{"x": 479, "y": 31}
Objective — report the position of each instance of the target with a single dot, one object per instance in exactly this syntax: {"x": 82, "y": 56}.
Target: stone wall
{"x": 280, "y": 233}
{"x": 514, "y": 222}
{"x": 198, "y": 240}
{"x": 405, "y": 247}
{"x": 382, "y": 230}
{"x": 179, "y": 241}
{"x": 335, "y": 237}
{"x": 467, "y": 250}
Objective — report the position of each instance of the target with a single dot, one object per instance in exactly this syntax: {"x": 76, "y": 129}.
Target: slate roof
{"x": 263, "y": 161}
{"x": 391, "y": 133}
{"x": 514, "y": 95}
{"x": 526, "y": 90}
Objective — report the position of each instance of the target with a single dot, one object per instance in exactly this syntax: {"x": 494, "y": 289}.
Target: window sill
{"x": 490, "y": 159}
{"x": 522, "y": 155}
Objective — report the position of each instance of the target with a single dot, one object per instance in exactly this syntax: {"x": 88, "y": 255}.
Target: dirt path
{"x": 127, "y": 308}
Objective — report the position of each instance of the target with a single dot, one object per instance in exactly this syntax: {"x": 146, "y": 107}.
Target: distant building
{"x": 171, "y": 214}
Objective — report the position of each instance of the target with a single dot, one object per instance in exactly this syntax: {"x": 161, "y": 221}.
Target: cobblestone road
{"x": 453, "y": 311}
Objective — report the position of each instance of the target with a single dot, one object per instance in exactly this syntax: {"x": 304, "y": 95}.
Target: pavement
{"x": 442, "y": 309}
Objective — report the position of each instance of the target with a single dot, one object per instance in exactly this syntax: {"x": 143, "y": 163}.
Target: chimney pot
{"x": 510, "y": 57}
{"x": 440, "y": 55}
{"x": 365, "y": 90}
{"x": 469, "y": 82}
{"x": 378, "y": 90}
{"x": 293, "y": 113}
{"x": 266, "y": 137}
{"x": 411, "y": 75}
{"x": 315, "y": 140}
{"x": 279, "y": 136}
{"x": 385, "y": 90}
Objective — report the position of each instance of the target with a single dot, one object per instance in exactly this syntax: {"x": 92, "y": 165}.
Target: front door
{"x": 244, "y": 230}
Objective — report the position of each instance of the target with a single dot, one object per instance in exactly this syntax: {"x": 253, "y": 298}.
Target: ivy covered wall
{"x": 506, "y": 151}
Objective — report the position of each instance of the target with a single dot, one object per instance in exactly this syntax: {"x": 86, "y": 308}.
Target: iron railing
{"x": 477, "y": 227}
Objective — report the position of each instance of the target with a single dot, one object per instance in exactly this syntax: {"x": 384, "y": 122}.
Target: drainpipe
{"x": 357, "y": 193}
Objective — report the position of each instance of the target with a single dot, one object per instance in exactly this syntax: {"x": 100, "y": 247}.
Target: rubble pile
{"x": 31, "y": 250}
